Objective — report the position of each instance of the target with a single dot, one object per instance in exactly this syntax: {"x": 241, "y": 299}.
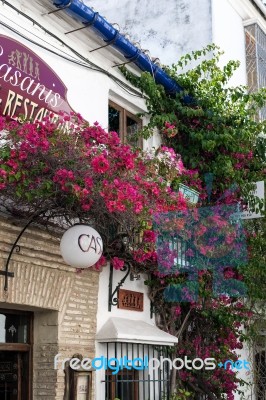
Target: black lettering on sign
{"x": 99, "y": 241}
{"x": 89, "y": 242}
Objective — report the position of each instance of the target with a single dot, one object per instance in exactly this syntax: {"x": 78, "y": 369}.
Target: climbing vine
{"x": 217, "y": 130}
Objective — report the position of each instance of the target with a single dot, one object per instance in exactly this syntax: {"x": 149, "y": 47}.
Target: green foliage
{"x": 181, "y": 394}
{"x": 221, "y": 124}
{"x": 255, "y": 272}
{"x": 219, "y": 133}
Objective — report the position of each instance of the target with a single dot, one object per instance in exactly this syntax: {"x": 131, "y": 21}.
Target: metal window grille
{"x": 146, "y": 384}
{"x": 256, "y": 60}
{"x": 181, "y": 247}
{"x": 260, "y": 368}
{"x": 257, "y": 357}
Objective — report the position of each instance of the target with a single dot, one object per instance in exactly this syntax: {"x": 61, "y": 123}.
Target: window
{"x": 124, "y": 123}
{"x": 124, "y": 383}
{"x": 259, "y": 366}
{"x": 133, "y": 384}
{"x": 260, "y": 375}
{"x": 14, "y": 328}
{"x": 256, "y": 59}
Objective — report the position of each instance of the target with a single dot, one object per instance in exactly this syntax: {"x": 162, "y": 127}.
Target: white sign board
{"x": 260, "y": 193}
{"x": 82, "y": 387}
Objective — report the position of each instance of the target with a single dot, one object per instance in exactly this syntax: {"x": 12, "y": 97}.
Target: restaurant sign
{"x": 28, "y": 86}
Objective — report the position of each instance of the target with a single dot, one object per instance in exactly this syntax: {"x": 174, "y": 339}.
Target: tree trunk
{"x": 173, "y": 381}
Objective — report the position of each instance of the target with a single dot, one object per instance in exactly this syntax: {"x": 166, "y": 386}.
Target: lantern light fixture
{"x": 81, "y": 246}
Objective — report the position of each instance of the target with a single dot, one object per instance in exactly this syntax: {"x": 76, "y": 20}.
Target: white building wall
{"x": 136, "y": 285}
{"x": 168, "y": 29}
{"x": 103, "y": 314}
{"x": 229, "y": 35}
{"x": 87, "y": 89}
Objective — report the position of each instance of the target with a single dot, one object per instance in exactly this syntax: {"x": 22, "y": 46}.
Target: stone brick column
{"x": 64, "y": 302}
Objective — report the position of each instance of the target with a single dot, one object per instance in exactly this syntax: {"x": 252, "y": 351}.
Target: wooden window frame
{"x": 132, "y": 374}
{"x": 123, "y": 114}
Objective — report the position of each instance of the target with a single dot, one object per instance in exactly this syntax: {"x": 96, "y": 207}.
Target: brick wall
{"x": 64, "y": 302}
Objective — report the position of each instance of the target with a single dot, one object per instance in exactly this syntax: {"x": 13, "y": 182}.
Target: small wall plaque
{"x": 129, "y": 300}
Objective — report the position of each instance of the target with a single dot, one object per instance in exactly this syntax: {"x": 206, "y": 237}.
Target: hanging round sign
{"x": 81, "y": 246}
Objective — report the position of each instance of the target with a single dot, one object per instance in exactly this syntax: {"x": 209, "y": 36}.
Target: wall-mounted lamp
{"x": 81, "y": 246}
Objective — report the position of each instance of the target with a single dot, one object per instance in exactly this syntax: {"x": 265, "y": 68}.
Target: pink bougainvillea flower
{"x": 117, "y": 263}
{"x": 100, "y": 164}
{"x": 101, "y": 263}
{"x": 177, "y": 311}
{"x": 149, "y": 236}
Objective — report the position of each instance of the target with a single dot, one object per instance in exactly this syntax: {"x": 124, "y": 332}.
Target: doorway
{"x": 14, "y": 375}
{"x": 15, "y": 355}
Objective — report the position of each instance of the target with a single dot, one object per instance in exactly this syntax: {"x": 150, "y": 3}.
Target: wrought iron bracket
{"x": 16, "y": 247}
{"x": 108, "y": 43}
{"x": 112, "y": 300}
{"x": 59, "y": 8}
{"x": 86, "y": 25}
{"x": 130, "y": 60}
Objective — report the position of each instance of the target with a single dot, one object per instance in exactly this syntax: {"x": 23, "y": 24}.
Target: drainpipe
{"x": 108, "y": 33}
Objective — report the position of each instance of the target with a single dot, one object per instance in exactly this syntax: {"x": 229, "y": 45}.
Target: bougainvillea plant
{"x": 67, "y": 168}
{"x": 222, "y": 142}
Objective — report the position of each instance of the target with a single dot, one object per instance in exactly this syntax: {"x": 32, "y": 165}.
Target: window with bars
{"x": 256, "y": 59}
{"x": 133, "y": 384}
{"x": 124, "y": 383}
{"x": 124, "y": 123}
{"x": 259, "y": 367}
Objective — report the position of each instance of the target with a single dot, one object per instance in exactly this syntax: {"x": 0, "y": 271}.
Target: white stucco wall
{"x": 228, "y": 34}
{"x": 87, "y": 90}
{"x": 172, "y": 29}
{"x": 168, "y": 29}
{"x": 103, "y": 314}
{"x": 136, "y": 285}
